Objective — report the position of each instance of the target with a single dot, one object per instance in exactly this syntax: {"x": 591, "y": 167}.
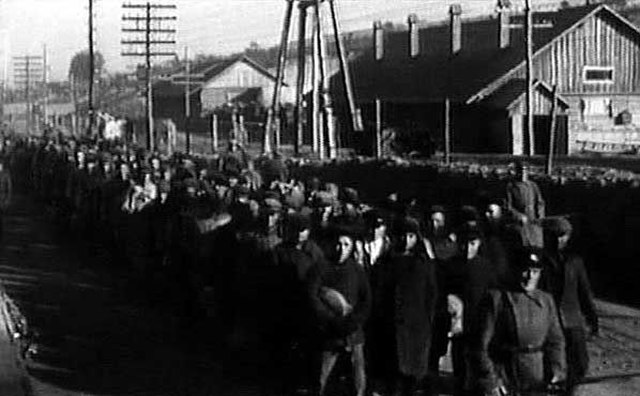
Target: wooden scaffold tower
{"x": 322, "y": 118}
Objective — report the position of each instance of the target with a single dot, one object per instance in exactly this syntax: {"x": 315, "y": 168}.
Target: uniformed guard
{"x": 519, "y": 347}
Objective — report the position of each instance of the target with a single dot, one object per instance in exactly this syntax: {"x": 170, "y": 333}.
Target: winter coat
{"x": 6, "y": 189}
{"x": 470, "y": 280}
{"x": 350, "y": 280}
{"x": 519, "y": 342}
{"x": 525, "y": 198}
{"x": 566, "y": 279}
{"x": 414, "y": 290}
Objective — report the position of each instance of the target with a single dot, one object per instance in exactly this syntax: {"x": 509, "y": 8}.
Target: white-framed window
{"x": 596, "y": 106}
{"x": 597, "y": 75}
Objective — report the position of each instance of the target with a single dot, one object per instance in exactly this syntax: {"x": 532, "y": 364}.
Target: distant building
{"x": 591, "y": 53}
{"x": 238, "y": 85}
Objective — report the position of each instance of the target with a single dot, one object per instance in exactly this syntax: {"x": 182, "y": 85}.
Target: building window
{"x": 598, "y": 75}
{"x": 596, "y": 106}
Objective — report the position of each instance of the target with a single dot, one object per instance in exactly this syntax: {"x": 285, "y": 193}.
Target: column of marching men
{"x": 309, "y": 273}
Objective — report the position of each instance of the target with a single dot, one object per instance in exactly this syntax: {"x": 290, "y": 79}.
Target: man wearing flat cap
{"x": 566, "y": 279}
{"x": 518, "y": 346}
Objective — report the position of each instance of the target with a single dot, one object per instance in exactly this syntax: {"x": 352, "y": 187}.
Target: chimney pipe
{"x": 414, "y": 36}
{"x": 456, "y": 28}
{"x": 378, "y": 40}
{"x": 504, "y": 31}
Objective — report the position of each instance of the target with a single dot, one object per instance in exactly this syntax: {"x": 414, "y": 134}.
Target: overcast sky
{"x": 206, "y": 26}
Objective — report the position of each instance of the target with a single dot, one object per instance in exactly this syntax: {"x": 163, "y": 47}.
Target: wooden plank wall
{"x": 600, "y": 41}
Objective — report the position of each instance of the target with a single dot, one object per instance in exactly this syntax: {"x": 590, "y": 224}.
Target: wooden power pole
{"x": 528, "y": 26}
{"x": 148, "y": 32}
{"x": 92, "y": 70}
{"x": 24, "y": 70}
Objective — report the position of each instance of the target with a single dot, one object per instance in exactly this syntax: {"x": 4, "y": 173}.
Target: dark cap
{"x": 296, "y": 222}
{"x": 374, "y": 219}
{"x": 295, "y": 199}
{"x": 272, "y": 205}
{"x": 323, "y": 199}
{"x": 529, "y": 257}
{"x": 558, "y": 226}
{"x": 190, "y": 183}
{"x": 469, "y": 213}
{"x": 243, "y": 190}
{"x": 520, "y": 165}
{"x": 350, "y": 195}
{"x": 409, "y": 225}
{"x": 469, "y": 233}
{"x": 350, "y": 229}
{"x": 437, "y": 209}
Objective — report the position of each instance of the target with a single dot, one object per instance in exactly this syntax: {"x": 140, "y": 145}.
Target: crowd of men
{"x": 313, "y": 273}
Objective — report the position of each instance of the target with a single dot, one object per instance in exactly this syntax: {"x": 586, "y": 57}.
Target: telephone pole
{"x": 92, "y": 69}
{"x": 187, "y": 100}
{"x": 24, "y": 69}
{"x": 528, "y": 26}
{"x": 45, "y": 86}
{"x": 147, "y": 31}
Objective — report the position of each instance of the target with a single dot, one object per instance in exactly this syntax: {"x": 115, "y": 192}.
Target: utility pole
{"x": 274, "y": 111}
{"x": 45, "y": 86}
{"x": 552, "y": 130}
{"x": 528, "y": 26}
{"x": 92, "y": 69}
{"x": 25, "y": 67}
{"x": 154, "y": 32}
{"x": 5, "y": 71}
{"x": 187, "y": 100}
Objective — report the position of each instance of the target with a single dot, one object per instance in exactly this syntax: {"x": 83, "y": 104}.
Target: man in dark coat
{"x": 566, "y": 279}
{"x": 412, "y": 300}
{"x": 341, "y": 299}
{"x": 6, "y": 191}
{"x": 518, "y": 347}
{"x": 524, "y": 199}
{"x": 469, "y": 278}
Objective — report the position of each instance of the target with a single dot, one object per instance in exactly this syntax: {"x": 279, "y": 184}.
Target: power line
{"x": 24, "y": 68}
{"x": 143, "y": 22}
{"x": 91, "y": 68}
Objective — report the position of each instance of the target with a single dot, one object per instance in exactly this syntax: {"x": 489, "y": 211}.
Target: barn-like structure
{"x": 232, "y": 85}
{"x": 590, "y": 53}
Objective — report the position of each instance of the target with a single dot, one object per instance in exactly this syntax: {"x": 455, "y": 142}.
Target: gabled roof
{"x": 479, "y": 68}
{"x": 166, "y": 88}
{"x": 511, "y": 93}
{"x": 592, "y": 10}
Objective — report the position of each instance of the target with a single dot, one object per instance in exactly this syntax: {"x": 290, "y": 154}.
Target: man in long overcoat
{"x": 567, "y": 281}
{"x": 519, "y": 347}
{"x": 6, "y": 190}
{"x": 412, "y": 300}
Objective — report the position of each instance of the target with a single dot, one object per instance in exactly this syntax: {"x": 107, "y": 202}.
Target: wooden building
{"x": 590, "y": 53}
{"x": 235, "y": 85}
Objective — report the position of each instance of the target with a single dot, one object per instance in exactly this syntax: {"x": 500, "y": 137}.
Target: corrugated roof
{"x": 480, "y": 62}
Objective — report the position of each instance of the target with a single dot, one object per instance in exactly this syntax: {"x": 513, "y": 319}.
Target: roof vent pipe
{"x": 455, "y": 10}
{"x": 414, "y": 36}
{"x": 504, "y": 30}
{"x": 378, "y": 40}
